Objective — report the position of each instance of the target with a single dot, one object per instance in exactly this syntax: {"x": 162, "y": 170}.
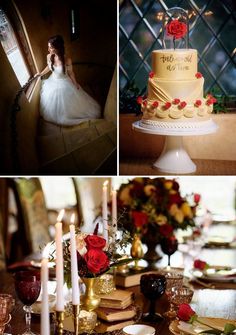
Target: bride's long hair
{"x": 58, "y": 44}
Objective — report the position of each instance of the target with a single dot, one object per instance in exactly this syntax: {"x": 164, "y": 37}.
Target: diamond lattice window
{"x": 212, "y": 26}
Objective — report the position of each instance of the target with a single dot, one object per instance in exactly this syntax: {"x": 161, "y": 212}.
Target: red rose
{"x": 155, "y": 104}
{"x": 197, "y": 198}
{"x": 175, "y": 199}
{"x": 166, "y": 230}
{"x": 140, "y": 218}
{"x": 198, "y": 75}
{"x": 167, "y": 105}
{"x": 94, "y": 241}
{"x": 145, "y": 103}
{"x": 176, "y": 101}
{"x": 139, "y": 100}
{"x": 151, "y": 74}
{"x": 198, "y": 103}
{"x": 96, "y": 260}
{"x": 182, "y": 104}
{"x": 185, "y": 312}
{"x": 176, "y": 28}
{"x": 198, "y": 264}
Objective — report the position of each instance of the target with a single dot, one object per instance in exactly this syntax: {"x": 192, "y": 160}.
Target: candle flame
{"x": 72, "y": 218}
{"x": 105, "y": 183}
{"x": 60, "y": 215}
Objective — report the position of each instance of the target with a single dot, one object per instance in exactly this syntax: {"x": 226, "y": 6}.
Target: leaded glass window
{"x": 212, "y": 33}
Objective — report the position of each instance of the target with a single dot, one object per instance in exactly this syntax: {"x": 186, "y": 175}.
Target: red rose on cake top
{"x": 176, "y": 29}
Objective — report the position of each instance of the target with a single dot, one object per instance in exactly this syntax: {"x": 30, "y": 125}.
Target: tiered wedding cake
{"x": 175, "y": 89}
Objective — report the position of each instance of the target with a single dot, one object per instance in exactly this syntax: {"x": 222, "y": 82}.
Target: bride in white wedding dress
{"x": 62, "y": 99}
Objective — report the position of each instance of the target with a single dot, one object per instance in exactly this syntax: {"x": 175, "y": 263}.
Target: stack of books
{"x": 116, "y": 310}
{"x": 130, "y": 278}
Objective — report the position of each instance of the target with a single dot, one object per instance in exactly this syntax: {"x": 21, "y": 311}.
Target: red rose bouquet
{"x": 93, "y": 255}
{"x": 187, "y": 314}
{"x": 154, "y": 207}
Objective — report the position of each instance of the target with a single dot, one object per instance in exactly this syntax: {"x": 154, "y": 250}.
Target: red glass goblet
{"x": 27, "y": 286}
{"x": 169, "y": 245}
{"x": 153, "y": 287}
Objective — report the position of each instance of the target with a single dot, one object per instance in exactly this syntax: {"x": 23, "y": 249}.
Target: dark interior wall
{"x": 96, "y": 44}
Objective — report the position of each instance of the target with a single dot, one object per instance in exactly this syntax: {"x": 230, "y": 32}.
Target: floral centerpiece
{"x": 95, "y": 258}
{"x": 154, "y": 208}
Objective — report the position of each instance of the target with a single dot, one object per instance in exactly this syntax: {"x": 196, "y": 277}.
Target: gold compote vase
{"x": 90, "y": 300}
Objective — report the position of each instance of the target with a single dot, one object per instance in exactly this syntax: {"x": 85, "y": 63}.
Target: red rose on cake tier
{"x": 198, "y": 75}
{"x": 151, "y": 74}
{"x": 96, "y": 260}
{"x": 198, "y": 103}
{"x": 155, "y": 104}
{"x": 167, "y": 105}
{"x": 176, "y": 101}
{"x": 139, "y": 100}
{"x": 176, "y": 29}
{"x": 94, "y": 241}
{"x": 182, "y": 104}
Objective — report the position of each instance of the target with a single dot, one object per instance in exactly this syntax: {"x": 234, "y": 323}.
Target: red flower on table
{"x": 151, "y": 74}
{"x": 139, "y": 218}
{"x": 176, "y": 29}
{"x": 198, "y": 103}
{"x": 176, "y": 101}
{"x": 182, "y": 104}
{"x": 200, "y": 265}
{"x": 198, "y": 75}
{"x": 185, "y": 312}
{"x": 155, "y": 104}
{"x": 166, "y": 230}
{"x": 95, "y": 242}
{"x": 96, "y": 260}
{"x": 167, "y": 105}
{"x": 139, "y": 100}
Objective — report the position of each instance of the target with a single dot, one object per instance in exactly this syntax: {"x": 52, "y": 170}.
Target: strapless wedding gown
{"x": 62, "y": 103}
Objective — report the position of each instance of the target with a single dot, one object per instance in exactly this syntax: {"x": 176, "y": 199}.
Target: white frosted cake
{"x": 175, "y": 90}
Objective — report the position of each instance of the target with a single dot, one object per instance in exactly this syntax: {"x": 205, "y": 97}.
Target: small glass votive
{"x": 181, "y": 295}
{"x": 87, "y": 321}
{"x": 105, "y": 284}
{"x": 6, "y": 304}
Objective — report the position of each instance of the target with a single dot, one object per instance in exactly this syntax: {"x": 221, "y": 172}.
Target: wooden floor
{"x": 143, "y": 167}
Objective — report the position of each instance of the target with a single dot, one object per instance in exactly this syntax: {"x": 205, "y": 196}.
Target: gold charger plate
{"x": 181, "y": 327}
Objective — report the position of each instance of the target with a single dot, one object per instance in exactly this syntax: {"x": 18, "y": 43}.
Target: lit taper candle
{"x": 59, "y": 265}
{"x": 44, "y": 321}
{"x": 104, "y": 211}
{"x": 74, "y": 264}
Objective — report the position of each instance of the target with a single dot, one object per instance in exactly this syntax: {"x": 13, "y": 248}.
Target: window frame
{"x": 15, "y": 20}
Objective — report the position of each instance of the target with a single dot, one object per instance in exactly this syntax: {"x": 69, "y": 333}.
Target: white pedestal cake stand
{"x": 174, "y": 158}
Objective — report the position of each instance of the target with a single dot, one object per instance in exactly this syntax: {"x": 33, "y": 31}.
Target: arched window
{"x": 14, "y": 42}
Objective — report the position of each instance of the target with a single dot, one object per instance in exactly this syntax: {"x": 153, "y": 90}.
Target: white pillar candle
{"x": 114, "y": 215}
{"x": 74, "y": 265}
{"x": 104, "y": 211}
{"x": 59, "y": 268}
{"x": 44, "y": 321}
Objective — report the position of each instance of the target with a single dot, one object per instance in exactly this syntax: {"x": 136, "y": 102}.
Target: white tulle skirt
{"x": 62, "y": 103}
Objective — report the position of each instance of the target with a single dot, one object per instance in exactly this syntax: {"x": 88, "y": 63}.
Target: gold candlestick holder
{"x": 59, "y": 322}
{"x": 76, "y": 318}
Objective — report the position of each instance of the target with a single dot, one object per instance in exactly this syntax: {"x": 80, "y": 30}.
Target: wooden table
{"x": 218, "y": 302}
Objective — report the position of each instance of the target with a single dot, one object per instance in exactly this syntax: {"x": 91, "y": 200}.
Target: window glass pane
{"x": 11, "y": 48}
